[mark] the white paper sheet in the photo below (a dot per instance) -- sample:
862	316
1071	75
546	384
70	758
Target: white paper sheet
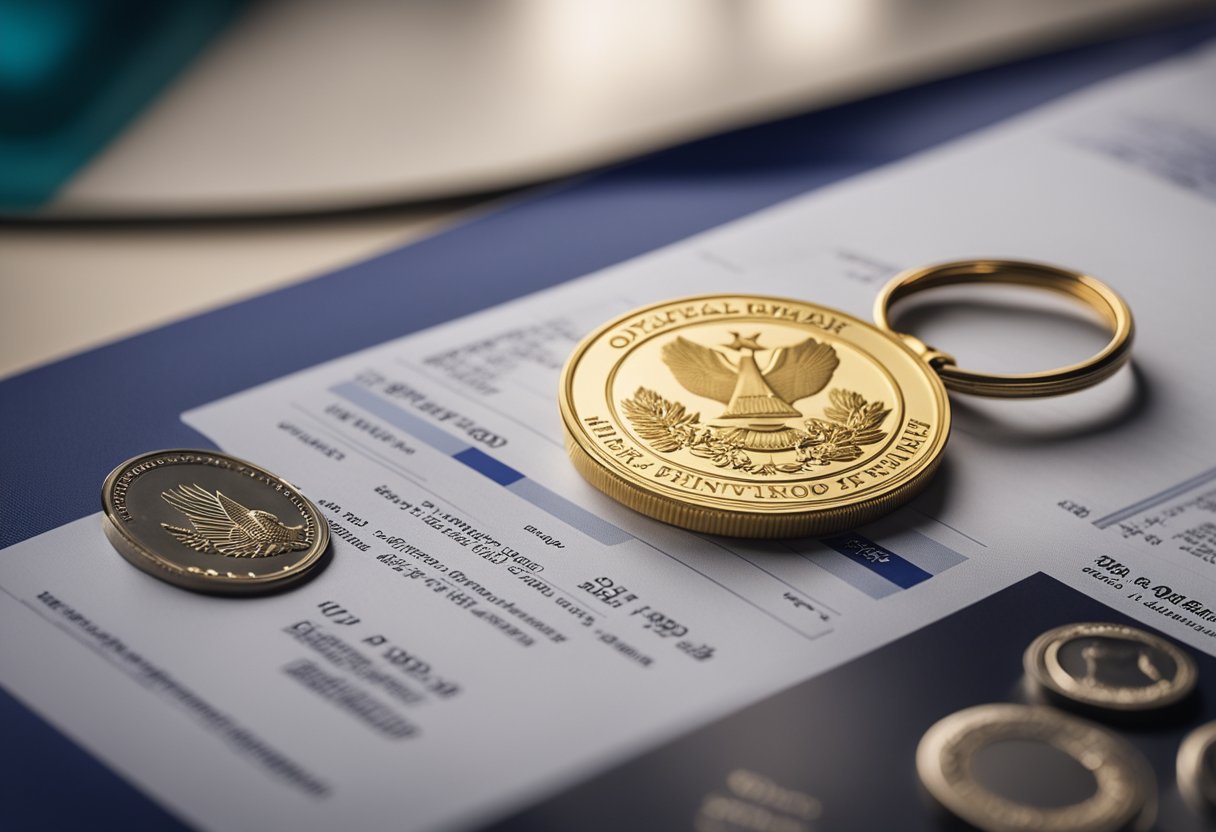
491	628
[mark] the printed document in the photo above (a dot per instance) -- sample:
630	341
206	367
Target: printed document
491	629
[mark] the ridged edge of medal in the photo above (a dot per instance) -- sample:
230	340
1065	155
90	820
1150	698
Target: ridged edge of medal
735	522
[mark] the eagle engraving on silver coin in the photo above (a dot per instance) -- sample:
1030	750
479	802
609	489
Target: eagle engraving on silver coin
222	526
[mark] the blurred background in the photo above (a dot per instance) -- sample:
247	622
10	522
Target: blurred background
160	158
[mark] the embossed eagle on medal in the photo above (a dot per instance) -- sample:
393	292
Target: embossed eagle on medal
222	526
758	402
761	432
751	416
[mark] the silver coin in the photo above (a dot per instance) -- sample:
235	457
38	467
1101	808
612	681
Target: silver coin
1012	768
1196	768
210	522
1110	666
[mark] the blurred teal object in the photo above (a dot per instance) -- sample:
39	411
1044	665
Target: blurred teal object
73	73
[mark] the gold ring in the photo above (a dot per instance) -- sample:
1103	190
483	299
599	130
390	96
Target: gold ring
1089	290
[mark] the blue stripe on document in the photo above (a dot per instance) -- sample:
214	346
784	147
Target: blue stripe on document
857	576
595	527
867	553
514	481
925	552
419	428
904	559
487	465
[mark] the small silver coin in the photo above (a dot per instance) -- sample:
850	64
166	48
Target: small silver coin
1110	666
210	522
1196	769
1015	768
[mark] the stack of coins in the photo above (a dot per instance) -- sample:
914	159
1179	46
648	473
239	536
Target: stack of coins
1006	767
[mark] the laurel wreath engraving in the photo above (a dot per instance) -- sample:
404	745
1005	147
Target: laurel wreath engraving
849	423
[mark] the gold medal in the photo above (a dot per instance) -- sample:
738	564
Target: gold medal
756	416
210	522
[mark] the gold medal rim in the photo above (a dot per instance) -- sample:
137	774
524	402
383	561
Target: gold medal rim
158	566
1041	663
784	521
1122	798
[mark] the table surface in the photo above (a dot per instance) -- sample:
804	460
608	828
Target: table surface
305	106
70	287
64	289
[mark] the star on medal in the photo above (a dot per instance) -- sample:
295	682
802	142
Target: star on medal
752	417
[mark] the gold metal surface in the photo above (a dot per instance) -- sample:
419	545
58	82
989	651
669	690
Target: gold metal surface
752	416
757	416
1110	666
1089	290
1124	794
210	522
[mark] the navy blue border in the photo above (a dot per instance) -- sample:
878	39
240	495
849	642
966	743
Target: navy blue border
64	426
